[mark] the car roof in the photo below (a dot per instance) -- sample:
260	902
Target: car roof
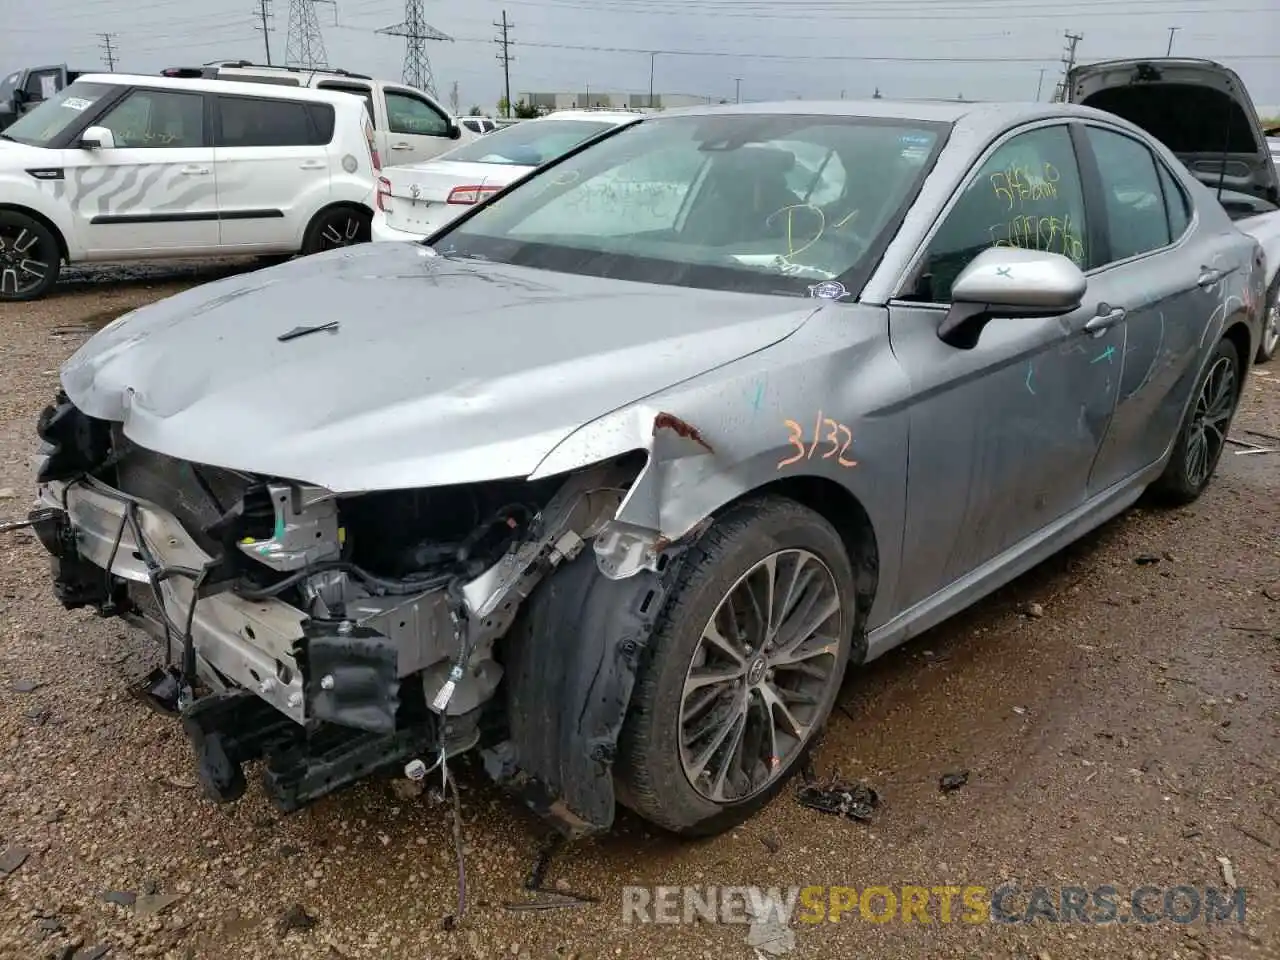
259	90
979	116
606	116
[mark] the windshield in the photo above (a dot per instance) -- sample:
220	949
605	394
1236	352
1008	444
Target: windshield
46	122
530	144
764	203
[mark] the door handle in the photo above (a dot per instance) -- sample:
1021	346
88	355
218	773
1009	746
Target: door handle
312	165
1208	277
1105	321
194	171
401	146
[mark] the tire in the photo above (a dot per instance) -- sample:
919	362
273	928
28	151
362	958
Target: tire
30	258
1216	396
656	776
1270	324
336	227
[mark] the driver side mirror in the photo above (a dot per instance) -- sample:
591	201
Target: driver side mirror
97	138
455	131
1010	282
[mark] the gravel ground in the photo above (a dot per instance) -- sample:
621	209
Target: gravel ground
1118	722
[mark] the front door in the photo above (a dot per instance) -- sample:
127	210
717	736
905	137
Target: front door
1170	297
153	191
1003	435
416	129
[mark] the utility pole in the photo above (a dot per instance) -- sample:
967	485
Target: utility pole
737	94
652	58
505	58
108	51
455	101
1040	84
264	13
304	45
416	31
1068	63
1172	31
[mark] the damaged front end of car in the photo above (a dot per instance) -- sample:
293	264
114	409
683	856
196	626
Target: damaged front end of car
328	636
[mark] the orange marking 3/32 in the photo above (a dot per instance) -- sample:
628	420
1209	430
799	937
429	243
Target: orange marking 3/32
838	437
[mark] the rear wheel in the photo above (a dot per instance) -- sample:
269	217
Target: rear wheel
1270	324
742	671
336	227
1204	432
30	258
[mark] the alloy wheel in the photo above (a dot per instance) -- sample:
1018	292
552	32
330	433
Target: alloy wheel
23	264
1213	411
1271	330
340	231
760	674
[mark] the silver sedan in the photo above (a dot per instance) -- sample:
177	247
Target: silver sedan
615	477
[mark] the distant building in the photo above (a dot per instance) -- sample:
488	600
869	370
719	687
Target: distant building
605	100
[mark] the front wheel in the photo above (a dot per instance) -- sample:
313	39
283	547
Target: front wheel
30	258
1204	431
1270	324
336	227
742	670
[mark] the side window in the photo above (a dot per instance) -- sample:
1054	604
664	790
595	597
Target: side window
157	118
408	115
1136	218
359	90
1028	194
249	122
1176	204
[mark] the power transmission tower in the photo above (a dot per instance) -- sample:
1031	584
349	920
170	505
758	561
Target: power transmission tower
264	13
416	31
505	58
305	44
1068	62
108	51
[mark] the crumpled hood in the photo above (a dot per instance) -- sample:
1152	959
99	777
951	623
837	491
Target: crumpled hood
441	371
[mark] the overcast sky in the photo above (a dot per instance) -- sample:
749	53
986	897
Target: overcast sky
779	49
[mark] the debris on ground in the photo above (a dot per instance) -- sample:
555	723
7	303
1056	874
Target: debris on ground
853	800
771	935
1146	559
150	905
1228	872
949	782
295	918
26	686
1032	611
12	859
121	898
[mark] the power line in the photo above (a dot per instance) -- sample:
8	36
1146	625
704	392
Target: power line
108	51
416	31
504	56
304	46
264	11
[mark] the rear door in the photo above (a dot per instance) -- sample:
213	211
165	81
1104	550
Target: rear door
417	129
1164	277
154	191
272	162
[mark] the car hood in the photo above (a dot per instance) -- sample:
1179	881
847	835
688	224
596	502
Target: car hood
1200	109
437	371
14	154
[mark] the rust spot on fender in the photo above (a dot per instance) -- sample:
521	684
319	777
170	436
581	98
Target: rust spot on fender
682	428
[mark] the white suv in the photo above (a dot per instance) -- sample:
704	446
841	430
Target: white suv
118	167
408	125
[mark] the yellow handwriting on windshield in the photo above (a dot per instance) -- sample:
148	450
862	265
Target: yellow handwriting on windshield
792	249
1052	234
1018	184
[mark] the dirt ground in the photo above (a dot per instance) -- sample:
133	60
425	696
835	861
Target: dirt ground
1117	712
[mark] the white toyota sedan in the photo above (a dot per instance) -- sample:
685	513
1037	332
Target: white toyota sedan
417	199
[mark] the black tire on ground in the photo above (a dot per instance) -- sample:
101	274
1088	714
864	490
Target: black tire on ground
30	258
651	775
336	227
1270	324
1204	430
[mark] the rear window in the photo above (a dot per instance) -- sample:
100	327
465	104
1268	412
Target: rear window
254	122
530	144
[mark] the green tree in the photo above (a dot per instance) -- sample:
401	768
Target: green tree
476	112
524	111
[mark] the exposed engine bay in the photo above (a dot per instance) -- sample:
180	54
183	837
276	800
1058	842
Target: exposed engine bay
331	636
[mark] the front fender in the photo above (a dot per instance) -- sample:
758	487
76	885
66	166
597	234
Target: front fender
20	190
